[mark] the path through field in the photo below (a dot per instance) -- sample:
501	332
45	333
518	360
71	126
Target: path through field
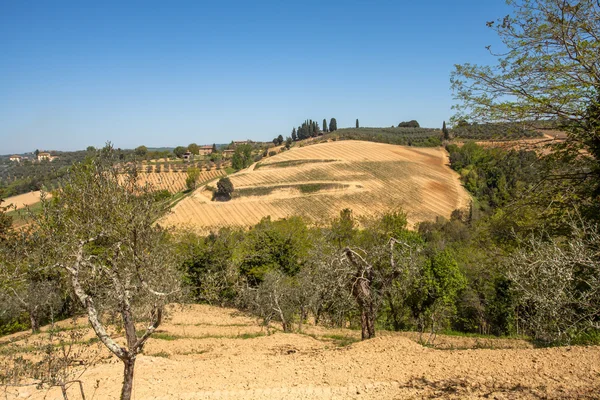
366	177
206	352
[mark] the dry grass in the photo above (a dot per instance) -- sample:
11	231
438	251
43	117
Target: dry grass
367	177
24	200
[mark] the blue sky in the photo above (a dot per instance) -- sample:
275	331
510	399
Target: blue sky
78	73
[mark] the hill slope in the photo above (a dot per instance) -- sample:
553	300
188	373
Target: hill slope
320	180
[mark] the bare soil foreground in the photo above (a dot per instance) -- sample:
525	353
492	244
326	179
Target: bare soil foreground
318	181
205	352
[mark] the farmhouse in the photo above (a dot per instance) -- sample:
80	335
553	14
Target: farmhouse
205	150
44	156
16	158
228	153
187	156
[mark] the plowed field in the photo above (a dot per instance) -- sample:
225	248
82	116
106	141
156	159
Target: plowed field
205	352
320	180
175	181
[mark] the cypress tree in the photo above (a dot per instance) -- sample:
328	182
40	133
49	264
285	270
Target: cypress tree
324	125
332	125
357	122
294	137
445	131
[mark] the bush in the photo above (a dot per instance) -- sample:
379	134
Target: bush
224	190
409	124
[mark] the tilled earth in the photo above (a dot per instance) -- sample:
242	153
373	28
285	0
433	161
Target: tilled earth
206	352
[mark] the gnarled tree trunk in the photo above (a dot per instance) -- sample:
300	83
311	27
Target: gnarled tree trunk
129	364
361	290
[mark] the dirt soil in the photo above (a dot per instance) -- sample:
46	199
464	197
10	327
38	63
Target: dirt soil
373	178
205	352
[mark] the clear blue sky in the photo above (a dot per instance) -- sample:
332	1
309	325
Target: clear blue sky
77	73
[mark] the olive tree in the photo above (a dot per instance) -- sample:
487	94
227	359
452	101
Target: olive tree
557	283
100	230
191	181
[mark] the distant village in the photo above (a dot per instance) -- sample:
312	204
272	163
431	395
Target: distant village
39	157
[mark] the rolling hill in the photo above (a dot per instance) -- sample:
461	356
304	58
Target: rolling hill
320	180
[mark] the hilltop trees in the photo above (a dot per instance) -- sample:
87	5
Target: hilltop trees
141	151
278	141
332	125
294	137
309	128
325	125
194	148
242	156
100	232
445	131
409	124
179	151
191	181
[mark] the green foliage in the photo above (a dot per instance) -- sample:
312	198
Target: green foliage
274	246
242	157
445	131
141	151
191	181
14	325
408	124
179	151
193	148
224	189
343	228
5	220
423	137
305	188
505	131
435	291
333	125
543	74
208	264
495	176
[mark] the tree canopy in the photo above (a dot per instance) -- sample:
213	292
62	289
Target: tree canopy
547	70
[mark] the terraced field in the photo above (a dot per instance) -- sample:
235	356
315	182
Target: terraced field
364	176
175	181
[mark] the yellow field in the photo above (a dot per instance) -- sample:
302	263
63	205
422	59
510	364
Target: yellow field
370	178
175	181
23	200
